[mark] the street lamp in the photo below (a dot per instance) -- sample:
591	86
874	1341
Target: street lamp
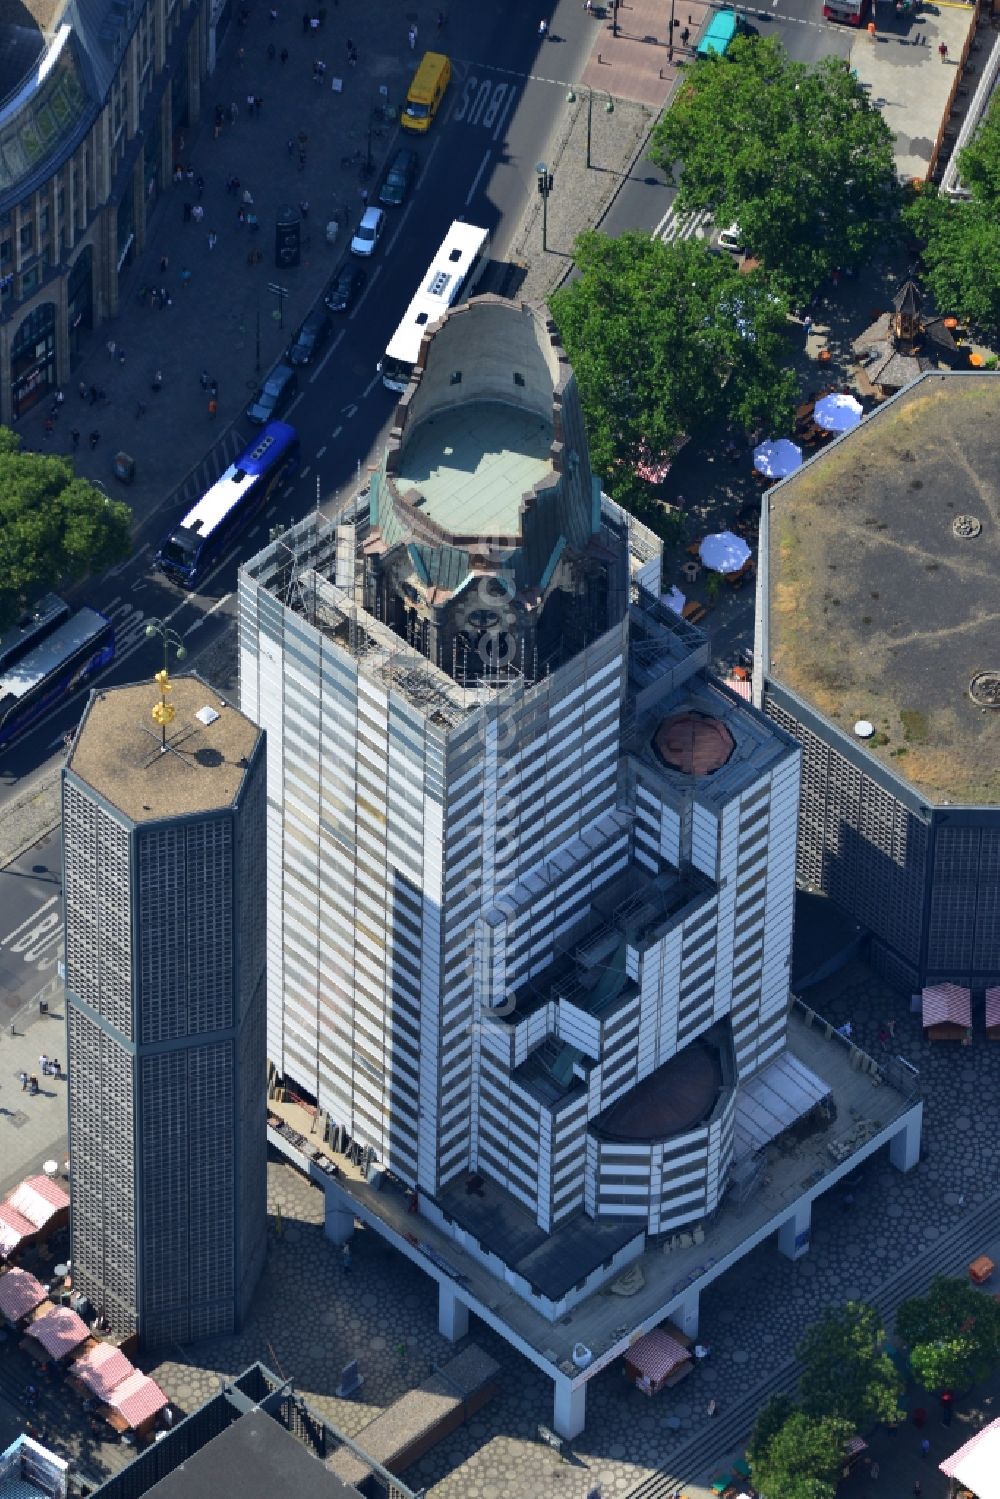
163	713
609	109
545	180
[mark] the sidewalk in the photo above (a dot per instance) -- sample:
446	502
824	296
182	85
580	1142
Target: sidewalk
212	321
32	1129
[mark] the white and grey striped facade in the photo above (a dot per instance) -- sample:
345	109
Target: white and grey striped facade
494	912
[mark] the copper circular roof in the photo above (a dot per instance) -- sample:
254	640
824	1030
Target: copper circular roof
693	743
677	1096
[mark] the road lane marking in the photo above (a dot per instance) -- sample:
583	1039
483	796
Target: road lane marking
292	407
320	367
399	228
360	302
208	614
320	451
475	181
375	379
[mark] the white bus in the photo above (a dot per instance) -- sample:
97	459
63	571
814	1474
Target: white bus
452	271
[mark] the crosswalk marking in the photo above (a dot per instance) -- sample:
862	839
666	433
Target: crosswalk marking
674	226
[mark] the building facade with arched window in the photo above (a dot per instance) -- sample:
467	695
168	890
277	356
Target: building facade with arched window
92	96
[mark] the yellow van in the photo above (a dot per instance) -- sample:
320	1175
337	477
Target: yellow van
426	91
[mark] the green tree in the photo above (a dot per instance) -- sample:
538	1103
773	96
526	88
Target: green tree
54	527
664	340
770	1419
804	1458
797	155
953	1334
961	254
847	1372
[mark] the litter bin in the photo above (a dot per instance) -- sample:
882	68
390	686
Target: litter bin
124	467
288	237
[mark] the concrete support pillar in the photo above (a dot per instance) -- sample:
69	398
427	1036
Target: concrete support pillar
339	1220
569	1412
686	1315
453	1315
793	1235
904	1147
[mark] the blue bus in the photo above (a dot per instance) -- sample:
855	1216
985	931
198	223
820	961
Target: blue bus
721	30
83	644
221	514
31	629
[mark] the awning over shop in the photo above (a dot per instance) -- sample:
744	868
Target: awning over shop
20	1293
656	1356
59	1331
102	1369
39	1200
780	1093
976	1466
946	1004
138	1399
15	1229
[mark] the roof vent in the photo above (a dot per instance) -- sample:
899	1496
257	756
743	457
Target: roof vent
206	715
864	729
966	527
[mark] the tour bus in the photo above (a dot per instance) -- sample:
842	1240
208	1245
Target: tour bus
32	628
191	548
722	28
78	646
426	92
454	268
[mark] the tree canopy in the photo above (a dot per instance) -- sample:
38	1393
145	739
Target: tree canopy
54	526
664	340
847	1372
961	253
802	1459
953	1334
797	155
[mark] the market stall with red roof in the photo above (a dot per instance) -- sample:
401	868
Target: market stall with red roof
20	1294
993	1014
657	1361
100	1370
947	1012
135	1404
58	1332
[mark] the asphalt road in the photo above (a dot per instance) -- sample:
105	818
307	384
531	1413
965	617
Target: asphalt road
478	162
30	925
645	200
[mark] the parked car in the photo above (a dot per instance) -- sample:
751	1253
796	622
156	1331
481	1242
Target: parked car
274	395
398	178
310	338
730	239
368	232
345	288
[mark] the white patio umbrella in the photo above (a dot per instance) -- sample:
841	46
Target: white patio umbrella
837	413
724	552
775	460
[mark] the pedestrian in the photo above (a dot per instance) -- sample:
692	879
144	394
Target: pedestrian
203	379
943	51
23	1077
543	27
272	15
185	278
946	1407
187	213
140	409
305	20
411	37
304	207
82	388
807	323
201	187
925	1447
213	240
121	356
917	1488
890	1026
874	1470
260	103
247	197
252	223
92	397
164	262
95	438
74	433
43	1063
241	53
363	191
345	1256
302	161
157	382
685	36
213	388
213	409
32	1090
283	54
111	348
303	140
871	31
442	19
713	1408
234	112
291	146
250	104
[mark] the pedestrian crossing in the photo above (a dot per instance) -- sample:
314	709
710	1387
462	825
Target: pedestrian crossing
214	463
676	226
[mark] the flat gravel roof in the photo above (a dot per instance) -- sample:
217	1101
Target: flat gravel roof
876	607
